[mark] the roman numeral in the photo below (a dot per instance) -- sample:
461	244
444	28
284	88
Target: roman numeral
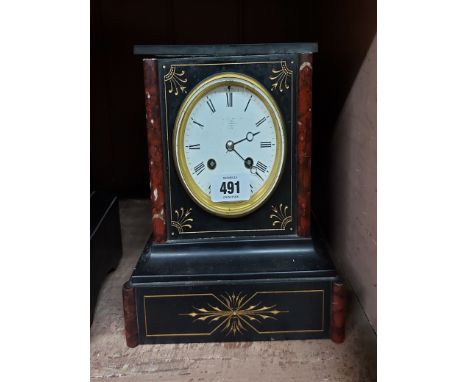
248	104
261	166
229	97
198	169
210	105
264	145
194	147
260	122
197	123
251	189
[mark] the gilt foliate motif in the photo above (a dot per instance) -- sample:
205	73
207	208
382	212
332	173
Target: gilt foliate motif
235	313
280	216
280	77
183	220
176	80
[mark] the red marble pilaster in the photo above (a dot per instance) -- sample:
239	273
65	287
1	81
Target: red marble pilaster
130	317
155	149
337	325
304	144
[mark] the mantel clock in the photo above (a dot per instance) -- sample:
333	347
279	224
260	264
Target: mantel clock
233	255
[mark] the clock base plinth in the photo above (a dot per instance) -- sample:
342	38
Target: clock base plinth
248	290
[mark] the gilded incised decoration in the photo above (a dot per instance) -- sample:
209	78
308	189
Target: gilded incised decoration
234	315
182	220
281	77
280	216
176	81
182	69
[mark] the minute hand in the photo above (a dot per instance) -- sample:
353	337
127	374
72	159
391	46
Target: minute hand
249	136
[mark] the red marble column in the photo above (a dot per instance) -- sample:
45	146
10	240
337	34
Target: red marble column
337	326
155	148
130	317
304	143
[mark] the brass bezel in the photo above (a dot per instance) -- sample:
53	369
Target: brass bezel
228	209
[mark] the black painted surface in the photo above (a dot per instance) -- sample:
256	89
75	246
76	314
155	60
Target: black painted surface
258	222
227	259
243	310
224	49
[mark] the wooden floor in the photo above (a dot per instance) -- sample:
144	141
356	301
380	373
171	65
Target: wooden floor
312	360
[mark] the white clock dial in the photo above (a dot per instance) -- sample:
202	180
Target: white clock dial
228	126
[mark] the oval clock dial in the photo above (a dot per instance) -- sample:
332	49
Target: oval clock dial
229	125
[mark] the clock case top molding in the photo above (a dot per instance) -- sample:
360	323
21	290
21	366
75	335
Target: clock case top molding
225	256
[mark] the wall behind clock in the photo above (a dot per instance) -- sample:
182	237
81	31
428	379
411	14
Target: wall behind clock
353	232
343	29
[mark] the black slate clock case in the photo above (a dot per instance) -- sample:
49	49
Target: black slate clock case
224	285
